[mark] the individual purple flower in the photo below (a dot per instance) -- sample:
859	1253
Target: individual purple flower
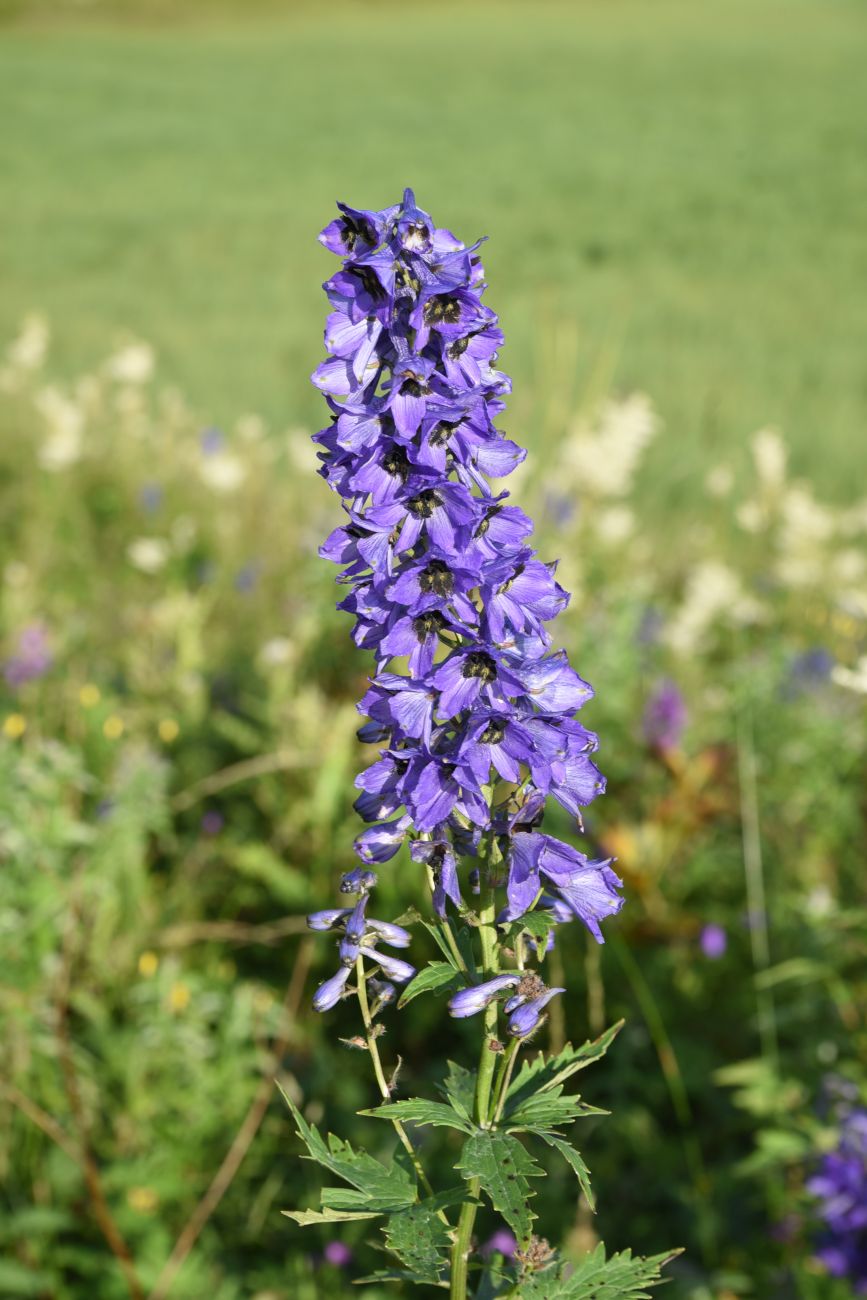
713	941
331	991
472	1000
32	657
840	1188
665	717
472	705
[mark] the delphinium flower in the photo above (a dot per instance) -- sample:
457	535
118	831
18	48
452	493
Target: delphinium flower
472	707
840	1186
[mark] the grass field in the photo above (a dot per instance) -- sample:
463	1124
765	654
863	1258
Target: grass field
674	193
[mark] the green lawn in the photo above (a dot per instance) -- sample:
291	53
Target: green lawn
675	193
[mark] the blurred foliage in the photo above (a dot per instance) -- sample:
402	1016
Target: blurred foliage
176	769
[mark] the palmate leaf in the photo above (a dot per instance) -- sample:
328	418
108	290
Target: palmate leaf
433	978
502	1166
547	1110
622	1277
417	1110
381	1187
541	1075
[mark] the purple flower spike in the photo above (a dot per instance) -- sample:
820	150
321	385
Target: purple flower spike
473	706
468	1002
330	993
665	717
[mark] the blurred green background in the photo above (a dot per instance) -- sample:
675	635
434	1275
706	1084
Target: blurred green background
674	194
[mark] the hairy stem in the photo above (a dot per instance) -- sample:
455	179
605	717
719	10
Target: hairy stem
381	1080
487	1062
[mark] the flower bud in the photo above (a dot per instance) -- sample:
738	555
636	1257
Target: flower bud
527	1017
330	993
357	881
469	1001
399	971
328	919
387	932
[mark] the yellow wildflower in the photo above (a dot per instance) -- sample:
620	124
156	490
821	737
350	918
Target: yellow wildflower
112	728
14	726
147	964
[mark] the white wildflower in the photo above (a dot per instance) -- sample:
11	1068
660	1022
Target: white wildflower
853	679
65	421
277	652
770	456
148	554
713	593
27	352
602	459
133	364
614	525
719	481
222	472
751	517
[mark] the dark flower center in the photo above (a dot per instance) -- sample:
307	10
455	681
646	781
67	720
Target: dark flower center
438	578
486	522
404	280
395	462
354	230
369	279
442	308
423	505
440	433
416	235
507	584
428	624
458	348
493	732
479	664
413	385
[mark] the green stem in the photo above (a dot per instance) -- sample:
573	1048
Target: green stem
511	1058
381	1081
487	1062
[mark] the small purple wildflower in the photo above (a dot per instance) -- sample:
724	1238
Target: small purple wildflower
503	1242
212	441
713	941
665	717
470	1001
247	577
32	658
337	1254
150	497
840	1186
212	822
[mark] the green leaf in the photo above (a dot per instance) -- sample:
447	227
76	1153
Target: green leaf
573	1158
622	1277
417	1110
460	1088
502	1166
547	1111
432	978
536	926
463	939
384	1187
419	1239
398	1275
307	1218
541	1075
